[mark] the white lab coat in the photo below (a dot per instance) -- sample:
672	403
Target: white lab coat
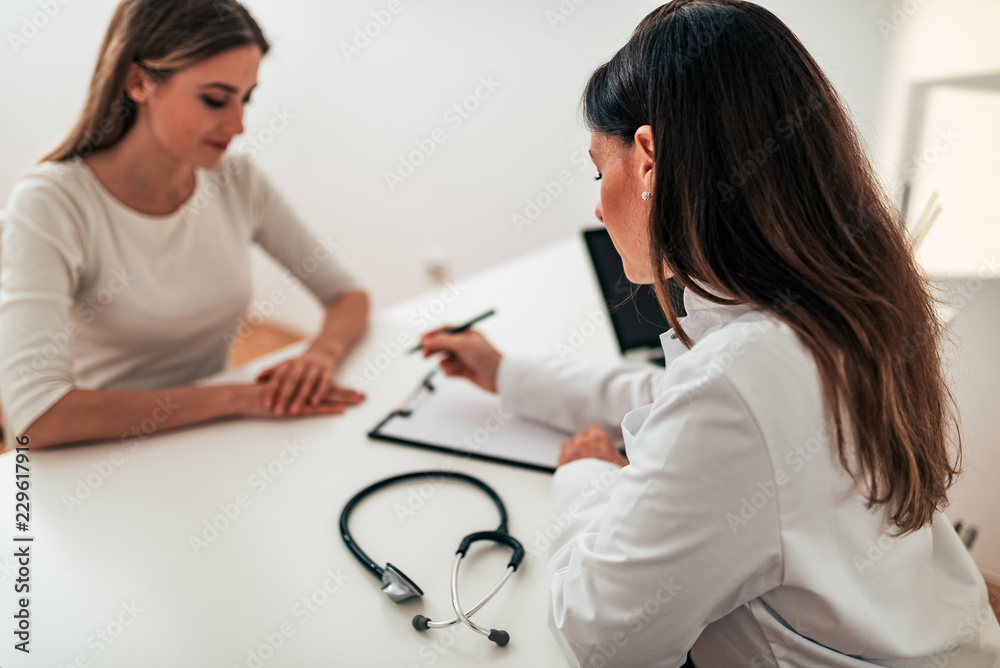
734	531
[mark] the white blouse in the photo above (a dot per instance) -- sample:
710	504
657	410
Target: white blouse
94	294
735	531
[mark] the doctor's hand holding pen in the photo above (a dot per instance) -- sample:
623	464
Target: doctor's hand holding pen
468	354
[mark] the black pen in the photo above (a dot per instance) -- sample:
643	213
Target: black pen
461	328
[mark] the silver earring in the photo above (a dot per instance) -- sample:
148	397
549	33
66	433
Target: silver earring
646	195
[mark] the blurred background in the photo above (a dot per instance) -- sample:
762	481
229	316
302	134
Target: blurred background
429	139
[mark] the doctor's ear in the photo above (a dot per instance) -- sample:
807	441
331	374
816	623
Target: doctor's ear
642	148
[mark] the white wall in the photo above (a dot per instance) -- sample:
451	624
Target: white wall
939	39
972	361
352	120
929	40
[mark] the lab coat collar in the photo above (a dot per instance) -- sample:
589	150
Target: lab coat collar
704	316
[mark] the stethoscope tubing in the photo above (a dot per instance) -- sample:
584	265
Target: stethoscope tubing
345	514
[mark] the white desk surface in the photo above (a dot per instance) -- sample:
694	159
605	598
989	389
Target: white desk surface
115	581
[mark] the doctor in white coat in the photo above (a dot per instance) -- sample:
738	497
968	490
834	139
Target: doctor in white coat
780	504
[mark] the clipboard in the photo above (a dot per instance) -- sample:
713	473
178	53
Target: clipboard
455	416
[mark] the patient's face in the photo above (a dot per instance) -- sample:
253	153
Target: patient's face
194	114
621	207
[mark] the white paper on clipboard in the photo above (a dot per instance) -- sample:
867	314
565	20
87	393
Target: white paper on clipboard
458	416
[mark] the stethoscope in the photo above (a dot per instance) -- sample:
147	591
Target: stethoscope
399	587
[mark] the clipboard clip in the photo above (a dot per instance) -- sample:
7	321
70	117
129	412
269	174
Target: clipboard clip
411	401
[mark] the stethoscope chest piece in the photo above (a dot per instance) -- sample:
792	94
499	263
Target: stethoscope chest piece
399	587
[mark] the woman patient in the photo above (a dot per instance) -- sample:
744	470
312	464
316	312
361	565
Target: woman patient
126	263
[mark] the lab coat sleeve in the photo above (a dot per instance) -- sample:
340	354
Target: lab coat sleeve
676	546
573	394
581	490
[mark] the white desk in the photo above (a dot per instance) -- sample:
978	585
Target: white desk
121	564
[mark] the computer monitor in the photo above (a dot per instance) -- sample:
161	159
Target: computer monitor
635	314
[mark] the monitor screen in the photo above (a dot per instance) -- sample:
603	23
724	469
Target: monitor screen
635	314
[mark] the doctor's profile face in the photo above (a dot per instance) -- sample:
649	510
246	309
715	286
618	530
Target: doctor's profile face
196	112
621	207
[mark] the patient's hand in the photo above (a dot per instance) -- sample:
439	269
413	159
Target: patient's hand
303	383
334	401
592	443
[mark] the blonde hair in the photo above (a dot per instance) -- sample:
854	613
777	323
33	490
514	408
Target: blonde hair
162	36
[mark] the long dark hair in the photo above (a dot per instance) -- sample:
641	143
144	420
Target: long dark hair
762	189
162	36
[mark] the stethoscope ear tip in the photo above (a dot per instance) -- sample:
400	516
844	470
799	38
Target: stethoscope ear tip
421	623
501	638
